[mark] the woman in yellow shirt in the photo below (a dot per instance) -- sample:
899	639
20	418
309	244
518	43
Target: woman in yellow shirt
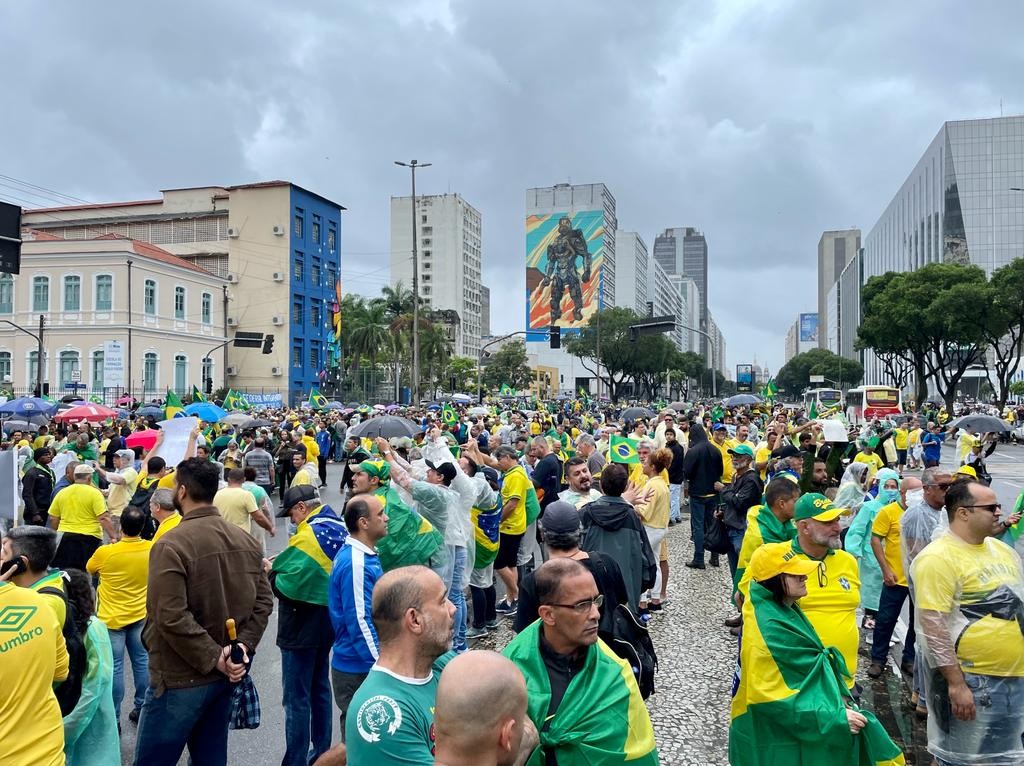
654	513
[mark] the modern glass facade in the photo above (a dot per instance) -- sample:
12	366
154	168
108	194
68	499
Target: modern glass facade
957	205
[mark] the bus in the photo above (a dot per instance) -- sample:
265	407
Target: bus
865	403
822	399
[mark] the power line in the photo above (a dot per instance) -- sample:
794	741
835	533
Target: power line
53	194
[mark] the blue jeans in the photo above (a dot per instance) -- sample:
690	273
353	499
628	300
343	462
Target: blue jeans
195	717
675	492
129	637
306	687
736	538
454	569
701	509
889	605
997	728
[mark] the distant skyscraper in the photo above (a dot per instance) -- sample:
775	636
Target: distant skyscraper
684	251
631	267
835	250
485	311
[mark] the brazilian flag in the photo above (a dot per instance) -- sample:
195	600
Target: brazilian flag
623	450
96	399
411	539
602	718
235	401
172	405
485	526
317	401
812	413
448	415
197	395
303	569
717	414
789	705
506	390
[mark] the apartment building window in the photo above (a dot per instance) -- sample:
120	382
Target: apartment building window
5	365
149	362
314	356
297	353
298	268
332	239
72	293
297	312
316	230
207	308
179	302
331	275
314	271
104	292
40	294
207	369
314	315
299	221
423	219
426	267
97	371
149	297
33	367
6	295
427	242
427	231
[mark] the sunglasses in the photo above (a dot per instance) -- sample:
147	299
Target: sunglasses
943	486
992	508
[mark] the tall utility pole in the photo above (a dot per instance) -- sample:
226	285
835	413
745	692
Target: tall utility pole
412	165
40	366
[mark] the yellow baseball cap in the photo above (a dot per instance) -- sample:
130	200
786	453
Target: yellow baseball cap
816	506
968	470
779	558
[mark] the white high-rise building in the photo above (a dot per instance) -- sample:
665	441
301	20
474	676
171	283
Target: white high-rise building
450	259
690	317
632	288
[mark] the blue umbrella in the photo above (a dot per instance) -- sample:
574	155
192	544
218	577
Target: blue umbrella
150	411
28	405
207	411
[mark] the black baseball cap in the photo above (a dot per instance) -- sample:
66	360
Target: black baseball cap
303	493
447	471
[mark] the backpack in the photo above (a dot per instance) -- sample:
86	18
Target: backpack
631	641
140	499
70	690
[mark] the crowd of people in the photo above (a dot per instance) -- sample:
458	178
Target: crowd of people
554	522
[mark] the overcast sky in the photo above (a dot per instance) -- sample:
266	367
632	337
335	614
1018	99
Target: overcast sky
762	124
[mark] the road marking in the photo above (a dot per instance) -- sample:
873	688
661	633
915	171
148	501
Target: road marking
1011	483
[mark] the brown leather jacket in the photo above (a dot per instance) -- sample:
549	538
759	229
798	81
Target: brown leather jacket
200	574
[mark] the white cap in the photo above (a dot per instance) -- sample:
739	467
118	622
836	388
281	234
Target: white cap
83	470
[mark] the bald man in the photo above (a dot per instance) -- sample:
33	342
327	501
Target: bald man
480	718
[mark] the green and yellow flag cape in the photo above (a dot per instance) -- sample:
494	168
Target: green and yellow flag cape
602	718
623	449
411	539
303	569
790	700
172	405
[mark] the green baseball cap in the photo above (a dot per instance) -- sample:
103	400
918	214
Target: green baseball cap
816	506
377	468
742	449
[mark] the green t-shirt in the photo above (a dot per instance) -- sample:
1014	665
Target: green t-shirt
391	718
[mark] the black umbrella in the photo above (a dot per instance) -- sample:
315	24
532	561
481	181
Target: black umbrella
25	424
255	423
741	399
388	426
635	413
979	423
679	406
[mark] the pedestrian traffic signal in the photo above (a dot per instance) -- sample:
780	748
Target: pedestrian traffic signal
268	344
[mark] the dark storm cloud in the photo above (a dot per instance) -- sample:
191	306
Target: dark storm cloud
761	124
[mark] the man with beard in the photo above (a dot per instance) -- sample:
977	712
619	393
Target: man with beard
581	486
391	716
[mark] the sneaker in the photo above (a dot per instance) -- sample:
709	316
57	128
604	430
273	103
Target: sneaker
507	609
474	633
734	622
134	715
695	564
713	561
493	624
875	671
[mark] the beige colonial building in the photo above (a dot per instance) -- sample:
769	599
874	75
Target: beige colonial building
161	316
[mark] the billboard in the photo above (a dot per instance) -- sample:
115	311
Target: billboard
564	255
744	378
809	328
113	364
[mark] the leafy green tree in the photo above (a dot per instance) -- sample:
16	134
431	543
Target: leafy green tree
795	375
605	349
463	370
508	365
1017	388
653	357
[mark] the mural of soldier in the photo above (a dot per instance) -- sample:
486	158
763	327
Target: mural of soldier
562	274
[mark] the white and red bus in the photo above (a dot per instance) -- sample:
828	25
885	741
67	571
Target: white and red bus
865	403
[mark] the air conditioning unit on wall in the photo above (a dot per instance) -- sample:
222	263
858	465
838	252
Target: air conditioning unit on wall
232	322
278	320
279	231
233	278
279	276
234	232
276	371
232	371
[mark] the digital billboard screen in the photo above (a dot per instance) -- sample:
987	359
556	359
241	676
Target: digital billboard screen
809	328
744	378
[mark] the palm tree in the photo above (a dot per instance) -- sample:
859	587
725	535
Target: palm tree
435	350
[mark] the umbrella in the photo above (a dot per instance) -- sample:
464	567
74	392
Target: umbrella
28	405
31	423
150	411
978	423
479	411
71	398
126	401
434	406
462	398
94	413
379	407
237	418
68	405
335	406
740	399
393	407
347	411
679	406
353	405
145	439
388	426
254	423
211	413
635	413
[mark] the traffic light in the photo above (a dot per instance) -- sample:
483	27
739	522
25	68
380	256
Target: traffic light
555	336
268	344
208	385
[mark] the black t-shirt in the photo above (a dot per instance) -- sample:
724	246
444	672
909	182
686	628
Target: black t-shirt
547	475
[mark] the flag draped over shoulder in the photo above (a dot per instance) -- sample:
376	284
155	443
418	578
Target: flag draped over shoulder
197	395
317	401
789	705
172	405
302	570
602	718
235	401
623	450
411	539
485	527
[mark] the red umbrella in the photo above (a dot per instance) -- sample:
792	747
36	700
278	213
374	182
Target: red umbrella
145	439
91	412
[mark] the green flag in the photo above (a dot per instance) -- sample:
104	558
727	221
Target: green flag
172	405
623	450
448	415
317	401
601	719
506	390
812	413
96	399
411	539
197	395
235	401
717	414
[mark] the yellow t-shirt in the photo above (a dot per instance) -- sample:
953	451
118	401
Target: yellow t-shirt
887	527
31	729
120	494
763	455
727	470
914	437
950	574
53	579
655	512
901	438
123	568
831	605
873	462
236	505
515	483
78	506
166	526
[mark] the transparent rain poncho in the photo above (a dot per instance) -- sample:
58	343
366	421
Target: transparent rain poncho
969	613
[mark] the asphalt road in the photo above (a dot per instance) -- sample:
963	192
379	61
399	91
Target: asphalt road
691	707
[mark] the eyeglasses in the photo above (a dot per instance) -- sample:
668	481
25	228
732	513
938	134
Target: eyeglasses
943	486
822	576
582	607
992	508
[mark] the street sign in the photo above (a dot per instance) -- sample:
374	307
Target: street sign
74	387
76	376
817	378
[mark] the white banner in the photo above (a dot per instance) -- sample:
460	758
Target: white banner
113	364
176	432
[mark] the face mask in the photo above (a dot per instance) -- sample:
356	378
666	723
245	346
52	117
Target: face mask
914	497
889	495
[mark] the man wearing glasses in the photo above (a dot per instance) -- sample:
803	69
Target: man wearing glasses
582	698
969	591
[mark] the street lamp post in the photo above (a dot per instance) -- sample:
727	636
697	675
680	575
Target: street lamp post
39	349
412	165
480	359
